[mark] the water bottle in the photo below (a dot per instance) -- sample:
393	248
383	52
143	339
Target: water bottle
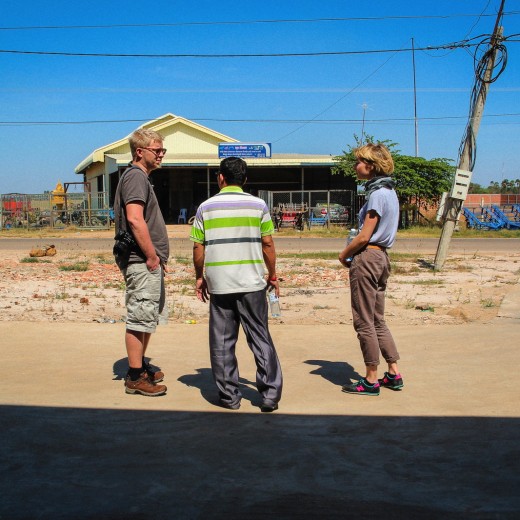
353	233
274	304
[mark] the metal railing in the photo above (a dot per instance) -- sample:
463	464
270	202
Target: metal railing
318	207
19	210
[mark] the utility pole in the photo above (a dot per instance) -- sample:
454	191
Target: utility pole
455	199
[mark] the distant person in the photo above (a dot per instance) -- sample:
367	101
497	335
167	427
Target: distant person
232	239
370	269
136	210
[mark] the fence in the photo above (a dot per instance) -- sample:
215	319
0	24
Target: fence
474	200
312	207
48	209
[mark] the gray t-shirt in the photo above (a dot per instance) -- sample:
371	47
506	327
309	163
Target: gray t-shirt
135	186
386	204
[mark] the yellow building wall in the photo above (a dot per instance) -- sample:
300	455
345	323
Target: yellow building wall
182	139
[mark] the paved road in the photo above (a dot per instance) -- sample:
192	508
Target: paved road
293	244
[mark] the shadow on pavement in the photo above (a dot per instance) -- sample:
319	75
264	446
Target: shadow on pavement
337	372
203	380
72	463
120	368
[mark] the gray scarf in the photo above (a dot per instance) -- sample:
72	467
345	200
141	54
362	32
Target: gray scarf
377	183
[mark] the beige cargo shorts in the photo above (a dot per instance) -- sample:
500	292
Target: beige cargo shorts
145	298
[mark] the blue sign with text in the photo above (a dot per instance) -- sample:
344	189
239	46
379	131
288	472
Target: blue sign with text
244	150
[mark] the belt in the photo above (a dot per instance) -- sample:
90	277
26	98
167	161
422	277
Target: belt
376	246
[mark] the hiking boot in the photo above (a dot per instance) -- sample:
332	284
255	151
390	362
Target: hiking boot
394	382
362	387
155	377
144	386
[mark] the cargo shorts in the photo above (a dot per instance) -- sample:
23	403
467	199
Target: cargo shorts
145	298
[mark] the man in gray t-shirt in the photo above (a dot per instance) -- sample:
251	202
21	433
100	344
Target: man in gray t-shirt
137	211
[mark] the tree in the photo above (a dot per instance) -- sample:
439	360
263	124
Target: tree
476	188
419	182
494	187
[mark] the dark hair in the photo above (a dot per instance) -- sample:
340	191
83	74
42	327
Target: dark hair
234	170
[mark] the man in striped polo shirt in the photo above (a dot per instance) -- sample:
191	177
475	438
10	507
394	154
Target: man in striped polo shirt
232	240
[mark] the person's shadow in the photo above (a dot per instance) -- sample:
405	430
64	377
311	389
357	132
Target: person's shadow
337	372
203	380
120	368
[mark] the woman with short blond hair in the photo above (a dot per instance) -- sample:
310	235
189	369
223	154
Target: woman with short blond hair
366	256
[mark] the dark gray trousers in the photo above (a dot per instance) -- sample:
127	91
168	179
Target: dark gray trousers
226	313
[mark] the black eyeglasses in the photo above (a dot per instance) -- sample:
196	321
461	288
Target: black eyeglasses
156	151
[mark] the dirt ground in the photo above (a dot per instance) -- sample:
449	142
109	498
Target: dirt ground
86	287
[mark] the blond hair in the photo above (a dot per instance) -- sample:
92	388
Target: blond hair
142	138
378	155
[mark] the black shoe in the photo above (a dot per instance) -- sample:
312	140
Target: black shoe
394	382
362	387
268	407
230	405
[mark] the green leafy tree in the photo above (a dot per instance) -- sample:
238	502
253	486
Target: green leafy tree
494	187
508	186
476	188
419	182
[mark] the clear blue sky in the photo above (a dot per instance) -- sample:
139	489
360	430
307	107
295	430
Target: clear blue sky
46	88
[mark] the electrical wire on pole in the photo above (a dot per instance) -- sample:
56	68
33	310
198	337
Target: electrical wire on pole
495	54
415	102
364	106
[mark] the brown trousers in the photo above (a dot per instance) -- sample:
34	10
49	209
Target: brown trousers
369	273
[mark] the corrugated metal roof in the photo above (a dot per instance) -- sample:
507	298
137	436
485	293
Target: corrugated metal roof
213	161
120	150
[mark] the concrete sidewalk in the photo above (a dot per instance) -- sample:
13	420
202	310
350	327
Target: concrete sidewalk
75	446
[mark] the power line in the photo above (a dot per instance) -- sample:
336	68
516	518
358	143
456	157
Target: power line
453	45
463	44
250	22
230	120
337	101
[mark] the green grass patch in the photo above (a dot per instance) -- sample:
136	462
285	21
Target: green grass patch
29	260
424	282
76	266
314	255
404	257
105	258
183	260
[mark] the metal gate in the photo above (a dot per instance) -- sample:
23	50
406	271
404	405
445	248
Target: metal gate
39	210
318	207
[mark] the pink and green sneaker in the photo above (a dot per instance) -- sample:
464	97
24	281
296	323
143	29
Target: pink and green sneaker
362	387
394	382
